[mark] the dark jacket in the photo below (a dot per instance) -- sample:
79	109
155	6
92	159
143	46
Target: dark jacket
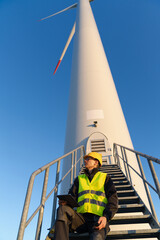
110	191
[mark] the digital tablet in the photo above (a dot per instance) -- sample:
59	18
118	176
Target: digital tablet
69	199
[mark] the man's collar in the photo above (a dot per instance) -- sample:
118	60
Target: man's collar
90	172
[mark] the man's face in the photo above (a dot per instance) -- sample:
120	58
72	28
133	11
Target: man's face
90	163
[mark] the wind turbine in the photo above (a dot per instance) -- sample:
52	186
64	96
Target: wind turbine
71	34
94	111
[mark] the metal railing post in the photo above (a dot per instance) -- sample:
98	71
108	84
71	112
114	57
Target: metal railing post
154	175
116	157
124	161
41	211
55	193
82	152
25	209
114	153
72	168
125	154
75	162
146	188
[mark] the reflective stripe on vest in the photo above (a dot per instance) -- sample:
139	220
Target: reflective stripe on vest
91	195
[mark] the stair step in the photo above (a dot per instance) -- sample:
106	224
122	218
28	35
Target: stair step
125	234
118	178
112	170
131	219
120	182
133	234
117	175
126	193
132	199
112	173
123	187
111	166
126	208
107	167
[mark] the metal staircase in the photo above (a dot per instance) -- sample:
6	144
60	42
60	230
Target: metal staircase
132	213
132	221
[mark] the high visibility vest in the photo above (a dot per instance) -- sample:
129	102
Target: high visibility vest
91	195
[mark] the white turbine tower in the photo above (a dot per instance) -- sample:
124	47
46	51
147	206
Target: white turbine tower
94	111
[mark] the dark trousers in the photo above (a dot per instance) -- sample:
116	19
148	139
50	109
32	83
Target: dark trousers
69	220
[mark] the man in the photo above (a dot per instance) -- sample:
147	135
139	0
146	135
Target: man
97	198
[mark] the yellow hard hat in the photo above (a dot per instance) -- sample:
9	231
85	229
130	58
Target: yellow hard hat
96	156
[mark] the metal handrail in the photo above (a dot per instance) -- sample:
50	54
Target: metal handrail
157	160
24	222
127	168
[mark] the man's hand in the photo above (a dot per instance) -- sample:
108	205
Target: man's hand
62	203
102	223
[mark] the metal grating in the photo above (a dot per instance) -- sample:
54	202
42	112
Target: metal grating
98	145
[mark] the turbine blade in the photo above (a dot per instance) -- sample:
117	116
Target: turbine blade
68	8
66	46
57	66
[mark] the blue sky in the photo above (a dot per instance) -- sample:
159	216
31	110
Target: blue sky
33	103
